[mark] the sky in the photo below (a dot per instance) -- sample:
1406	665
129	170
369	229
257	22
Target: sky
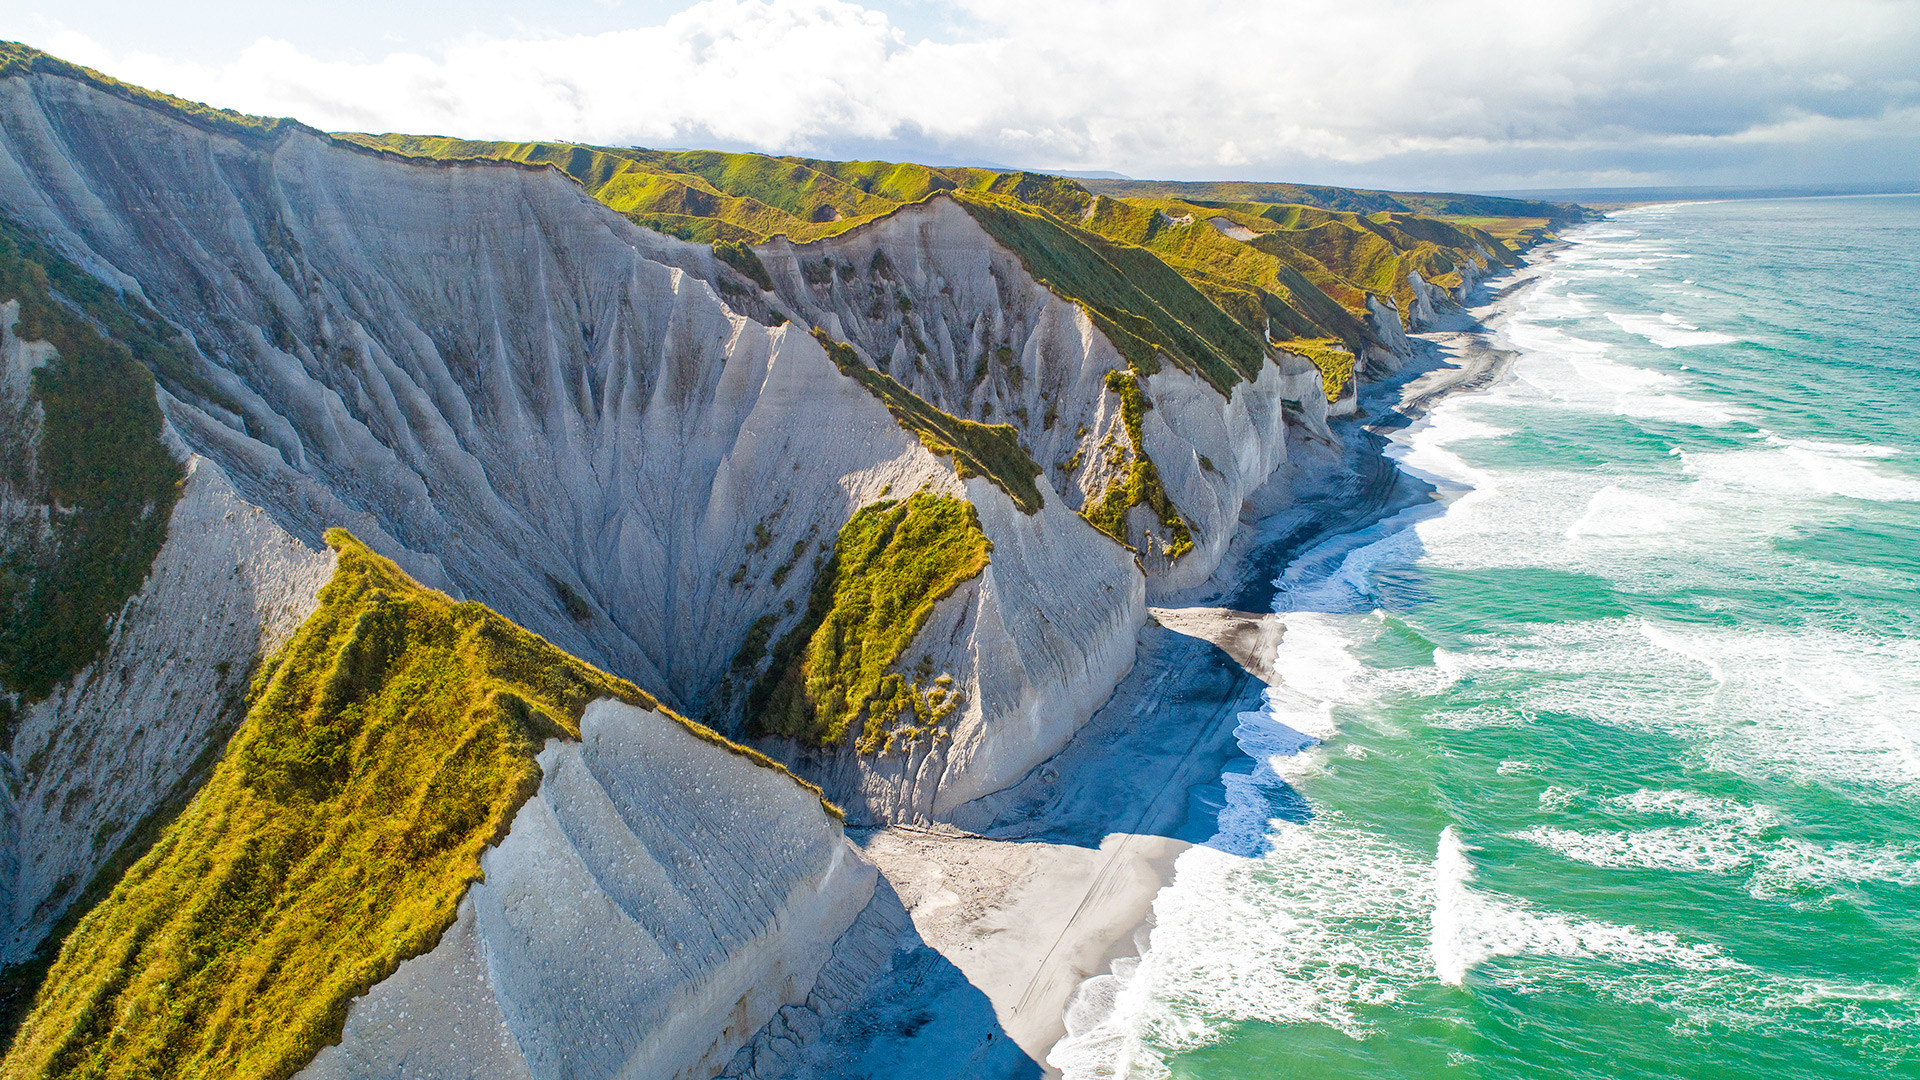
1477	95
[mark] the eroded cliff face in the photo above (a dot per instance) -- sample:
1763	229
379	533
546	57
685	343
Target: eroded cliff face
929	296
524	399
129	735
623	444
654	904
477	369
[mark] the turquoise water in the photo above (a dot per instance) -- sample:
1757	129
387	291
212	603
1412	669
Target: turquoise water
1609	763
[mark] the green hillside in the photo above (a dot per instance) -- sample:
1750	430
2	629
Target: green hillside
1319	251
1433	204
707	195
94	460
1272	250
387	745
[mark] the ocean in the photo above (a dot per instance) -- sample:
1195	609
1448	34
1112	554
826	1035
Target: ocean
1605	764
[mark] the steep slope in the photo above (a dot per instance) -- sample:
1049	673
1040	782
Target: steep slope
995	311
135	597
390	743
1311	287
470	366
886	489
708	195
524	399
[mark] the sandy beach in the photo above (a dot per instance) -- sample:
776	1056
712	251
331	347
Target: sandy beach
1040	886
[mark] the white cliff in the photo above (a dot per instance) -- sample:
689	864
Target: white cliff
130	734
978	336
654	904
527	401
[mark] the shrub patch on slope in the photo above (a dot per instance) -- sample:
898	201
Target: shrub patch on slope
388	744
98	465
1138	481
1334	361
893	561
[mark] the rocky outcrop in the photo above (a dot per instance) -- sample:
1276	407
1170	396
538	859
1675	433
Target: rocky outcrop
1383	318
653	906
1251	638
1431	301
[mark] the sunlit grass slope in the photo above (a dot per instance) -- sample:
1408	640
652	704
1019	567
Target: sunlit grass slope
388	744
1137	479
891	563
1296	264
1358	200
992	451
708	195
1266	263
1146	308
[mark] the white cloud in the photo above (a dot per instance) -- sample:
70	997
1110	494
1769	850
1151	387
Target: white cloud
1483	90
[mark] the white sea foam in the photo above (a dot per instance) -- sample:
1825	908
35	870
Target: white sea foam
1471	927
1679	646
1556	798
1578	373
1800	470
1736	694
1336	577
1833	449
1327	921
1731	838
1615	510
1328	925
1667	331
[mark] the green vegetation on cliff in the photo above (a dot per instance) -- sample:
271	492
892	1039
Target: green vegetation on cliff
1358	200
1138	480
1147	309
708	195
1334	361
1302	279
1165	271
1276	267
96	464
989	450
388	744
892	562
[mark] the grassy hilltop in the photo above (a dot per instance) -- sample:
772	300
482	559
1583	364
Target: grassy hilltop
1303	274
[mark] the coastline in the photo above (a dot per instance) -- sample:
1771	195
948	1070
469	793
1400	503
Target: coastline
1045	884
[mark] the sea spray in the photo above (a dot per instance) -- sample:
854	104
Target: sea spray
1451	873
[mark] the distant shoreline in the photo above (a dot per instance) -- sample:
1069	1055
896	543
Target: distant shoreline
1623	197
